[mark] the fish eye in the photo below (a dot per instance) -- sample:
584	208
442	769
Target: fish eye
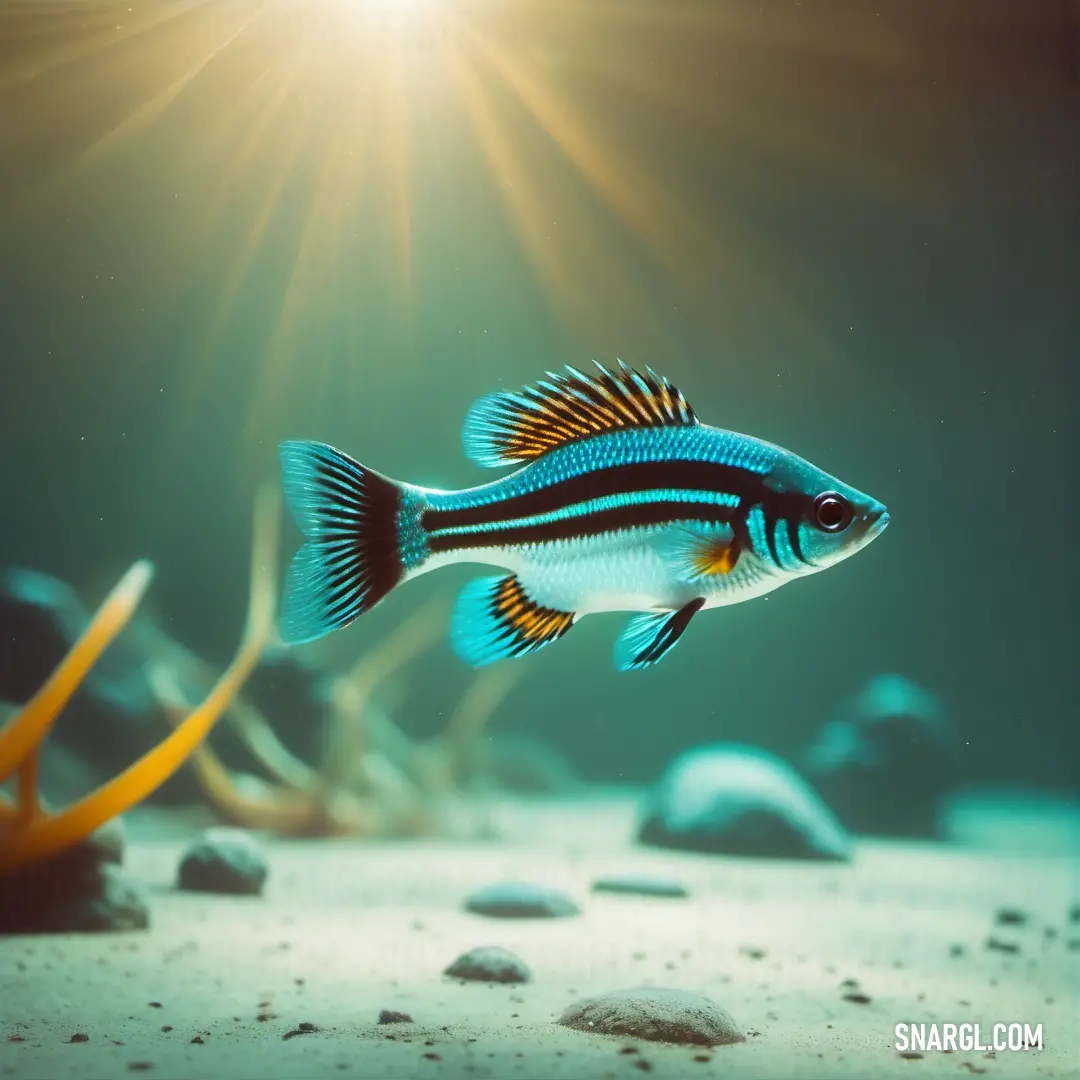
831	512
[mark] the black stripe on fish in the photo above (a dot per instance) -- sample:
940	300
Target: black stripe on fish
611	481
611	520
605	482
796	543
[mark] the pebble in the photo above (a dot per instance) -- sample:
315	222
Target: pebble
641	885
489	963
224	860
391	1016
1010	916
654	1013
521	900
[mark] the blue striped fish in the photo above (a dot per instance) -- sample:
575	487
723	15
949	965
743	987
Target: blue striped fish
624	501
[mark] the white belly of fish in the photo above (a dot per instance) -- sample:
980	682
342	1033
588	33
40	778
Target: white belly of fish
630	571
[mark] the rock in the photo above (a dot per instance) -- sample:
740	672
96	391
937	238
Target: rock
857	997
731	799
1010	916
390	1016
641	885
223	860
80	890
521	900
656	1014
489	963
887	760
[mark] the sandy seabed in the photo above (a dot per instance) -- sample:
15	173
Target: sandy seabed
346	929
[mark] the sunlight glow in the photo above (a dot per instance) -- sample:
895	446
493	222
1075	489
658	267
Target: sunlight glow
338	159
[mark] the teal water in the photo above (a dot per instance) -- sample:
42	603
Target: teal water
849	231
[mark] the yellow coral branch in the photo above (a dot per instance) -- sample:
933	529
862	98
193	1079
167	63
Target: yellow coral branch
49	834
29	726
26	799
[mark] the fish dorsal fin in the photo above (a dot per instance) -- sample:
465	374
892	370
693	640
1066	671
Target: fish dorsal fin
511	428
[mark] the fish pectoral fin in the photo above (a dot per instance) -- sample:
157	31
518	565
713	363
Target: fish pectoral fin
495	618
705	551
651	636
508	428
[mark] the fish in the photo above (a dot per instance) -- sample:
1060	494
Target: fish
622	500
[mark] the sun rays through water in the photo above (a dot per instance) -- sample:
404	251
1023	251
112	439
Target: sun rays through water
317	167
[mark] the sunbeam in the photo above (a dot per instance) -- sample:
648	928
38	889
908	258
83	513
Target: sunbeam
304	143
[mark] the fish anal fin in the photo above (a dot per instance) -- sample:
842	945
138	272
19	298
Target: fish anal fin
511	428
649	637
495	618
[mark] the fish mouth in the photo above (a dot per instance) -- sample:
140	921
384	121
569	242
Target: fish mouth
877	520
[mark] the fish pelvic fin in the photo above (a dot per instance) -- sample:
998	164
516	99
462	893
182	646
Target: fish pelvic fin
356	549
494	618
512	428
651	636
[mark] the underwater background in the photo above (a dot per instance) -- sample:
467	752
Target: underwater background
850	229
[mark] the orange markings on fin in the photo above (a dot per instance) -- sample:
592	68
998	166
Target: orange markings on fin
715	557
533	624
511	428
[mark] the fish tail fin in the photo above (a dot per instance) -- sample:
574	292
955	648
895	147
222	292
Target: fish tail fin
353	520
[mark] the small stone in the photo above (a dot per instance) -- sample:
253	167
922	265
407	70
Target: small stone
521	900
641	885
910	1055
996	944
489	963
1010	916
224	860
140	1066
857	997
79	1037
391	1016
731	799
300	1029
198	1040
656	1014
